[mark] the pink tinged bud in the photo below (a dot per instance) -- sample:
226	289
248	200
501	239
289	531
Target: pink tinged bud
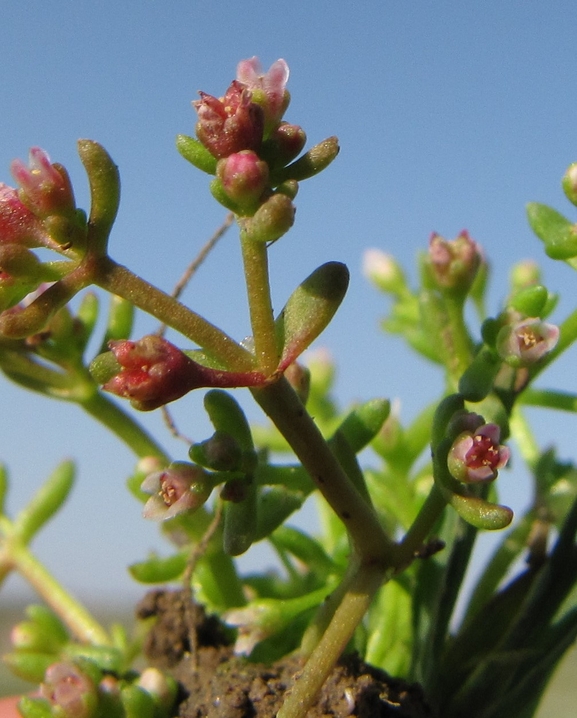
18	225
384	272
284	144
230	124
525	342
154	372
179	488
569	183
454	263
477	457
45	187
243	176
71	693
268	89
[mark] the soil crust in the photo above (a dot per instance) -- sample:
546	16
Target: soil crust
217	684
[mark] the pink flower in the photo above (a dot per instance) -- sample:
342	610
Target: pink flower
18	225
476	457
46	187
70	691
179	488
268	89
230	124
454	263
526	341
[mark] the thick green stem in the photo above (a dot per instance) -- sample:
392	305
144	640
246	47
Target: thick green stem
285	409
347	617
254	255
459	348
428	515
84	627
121	281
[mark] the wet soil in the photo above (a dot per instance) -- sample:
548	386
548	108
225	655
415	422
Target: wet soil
217	684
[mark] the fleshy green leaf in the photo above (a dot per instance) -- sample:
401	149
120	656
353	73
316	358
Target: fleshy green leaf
554	230
310	308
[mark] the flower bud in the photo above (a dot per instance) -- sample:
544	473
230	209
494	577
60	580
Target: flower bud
454	264
179	488
161	687
272	219
220	453
476	457
154	372
531	301
384	272
569	183
283	145
243	176
524	274
524	342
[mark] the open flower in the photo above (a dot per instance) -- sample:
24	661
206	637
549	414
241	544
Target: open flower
524	342
268	89
476	456
230	124
71	692
180	487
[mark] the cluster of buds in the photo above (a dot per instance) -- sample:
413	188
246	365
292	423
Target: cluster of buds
41	213
454	264
243	140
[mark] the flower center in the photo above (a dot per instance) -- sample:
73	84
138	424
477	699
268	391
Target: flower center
482	453
168	492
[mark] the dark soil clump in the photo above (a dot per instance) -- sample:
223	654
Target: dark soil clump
217	684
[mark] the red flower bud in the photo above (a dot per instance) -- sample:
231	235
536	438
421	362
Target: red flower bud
243	177
154	372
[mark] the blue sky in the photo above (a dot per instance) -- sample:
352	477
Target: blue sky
450	115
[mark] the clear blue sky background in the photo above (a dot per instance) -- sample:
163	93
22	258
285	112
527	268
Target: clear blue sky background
450	115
